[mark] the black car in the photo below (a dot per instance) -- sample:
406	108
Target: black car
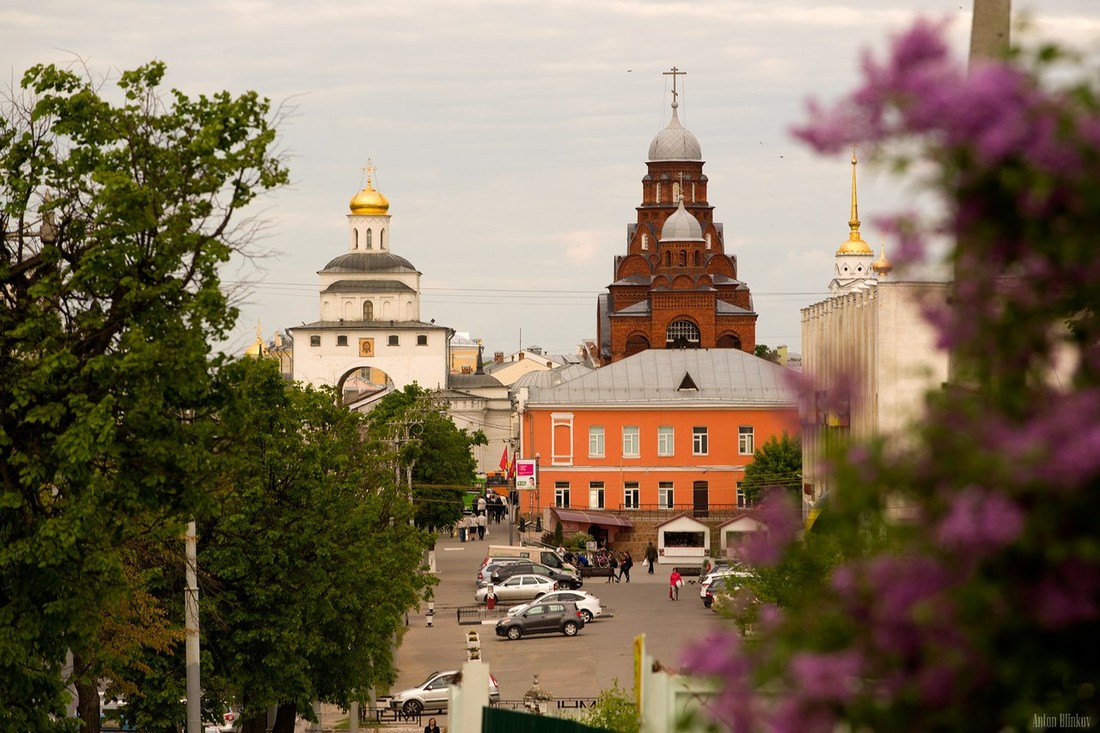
564	580
542	618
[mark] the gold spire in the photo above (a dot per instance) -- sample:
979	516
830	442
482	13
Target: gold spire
369	201
882	266
855	244
258	348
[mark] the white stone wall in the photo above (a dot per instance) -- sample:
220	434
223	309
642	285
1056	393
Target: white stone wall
405	363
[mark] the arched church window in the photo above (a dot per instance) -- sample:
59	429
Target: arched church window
658	196
355	241
683	258
368	310
698	258
382	239
708	240
675	192
682	335
369	239
645	241
668	258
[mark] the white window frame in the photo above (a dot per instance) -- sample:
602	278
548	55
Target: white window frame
596	445
746	442
699	440
666	494
666	440
596	495
631	495
632	443
561	451
561	494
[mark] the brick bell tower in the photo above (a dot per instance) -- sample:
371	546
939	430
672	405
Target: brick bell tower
675	288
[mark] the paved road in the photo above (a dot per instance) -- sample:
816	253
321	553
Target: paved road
568	667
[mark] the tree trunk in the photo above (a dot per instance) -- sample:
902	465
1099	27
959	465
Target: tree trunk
87	696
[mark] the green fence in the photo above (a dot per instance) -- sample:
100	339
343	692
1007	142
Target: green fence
498	720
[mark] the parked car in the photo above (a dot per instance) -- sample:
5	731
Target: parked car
723	573
484	575
721	591
588	604
522	587
564	580
433	693
542	618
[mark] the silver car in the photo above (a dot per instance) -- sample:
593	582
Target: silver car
523	587
433	694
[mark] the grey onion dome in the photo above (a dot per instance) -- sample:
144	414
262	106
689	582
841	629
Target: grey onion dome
681	226
369	262
675	142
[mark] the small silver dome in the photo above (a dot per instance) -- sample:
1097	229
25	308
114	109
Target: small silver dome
675	142
681	226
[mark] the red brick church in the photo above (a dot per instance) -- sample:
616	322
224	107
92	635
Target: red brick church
675	288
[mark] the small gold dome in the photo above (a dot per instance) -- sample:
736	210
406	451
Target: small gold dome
882	265
855	246
369	202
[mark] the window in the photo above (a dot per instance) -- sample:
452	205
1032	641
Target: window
742	500
645	241
341	340
314	340
665	442
708	240
368	311
745	443
394	341
595	441
630	495
665	495
595	495
681	335
368	239
630	442
561	494
421	339
699	441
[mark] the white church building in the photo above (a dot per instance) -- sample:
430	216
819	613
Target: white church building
369	337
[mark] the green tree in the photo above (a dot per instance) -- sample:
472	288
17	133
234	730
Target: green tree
309	559
429	452
615	710
777	463
764	352
114	219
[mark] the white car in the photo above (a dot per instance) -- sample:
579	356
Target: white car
521	587
724	573
434	692
588	604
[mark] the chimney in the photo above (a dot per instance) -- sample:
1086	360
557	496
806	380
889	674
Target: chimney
521	355
467	370
498	357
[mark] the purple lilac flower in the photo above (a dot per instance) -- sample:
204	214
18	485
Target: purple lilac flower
980	520
827	677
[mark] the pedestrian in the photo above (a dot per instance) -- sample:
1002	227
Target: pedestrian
481	503
675	582
431	727
651	556
613	564
481	526
625	566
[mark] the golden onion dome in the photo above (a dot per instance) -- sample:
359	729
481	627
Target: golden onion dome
369	202
882	265
855	246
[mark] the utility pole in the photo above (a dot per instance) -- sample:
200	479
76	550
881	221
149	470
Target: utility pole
191	623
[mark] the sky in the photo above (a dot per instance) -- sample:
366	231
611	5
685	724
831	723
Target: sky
510	136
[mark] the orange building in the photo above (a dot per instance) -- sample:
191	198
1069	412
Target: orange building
669	429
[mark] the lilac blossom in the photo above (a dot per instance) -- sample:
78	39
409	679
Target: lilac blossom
980	520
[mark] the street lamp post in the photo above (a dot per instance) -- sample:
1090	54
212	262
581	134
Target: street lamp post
538	499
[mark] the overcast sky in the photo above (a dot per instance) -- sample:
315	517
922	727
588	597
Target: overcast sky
510	136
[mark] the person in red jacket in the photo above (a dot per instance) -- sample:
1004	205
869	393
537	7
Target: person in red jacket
674	584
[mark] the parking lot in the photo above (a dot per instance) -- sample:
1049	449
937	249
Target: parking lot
579	666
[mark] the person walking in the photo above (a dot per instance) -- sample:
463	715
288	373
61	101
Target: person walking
650	556
674	584
613	564
431	727
481	526
625	566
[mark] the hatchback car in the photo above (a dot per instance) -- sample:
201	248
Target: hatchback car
433	694
588	604
542	618
564	580
518	588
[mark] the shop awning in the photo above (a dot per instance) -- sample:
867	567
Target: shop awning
592	517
